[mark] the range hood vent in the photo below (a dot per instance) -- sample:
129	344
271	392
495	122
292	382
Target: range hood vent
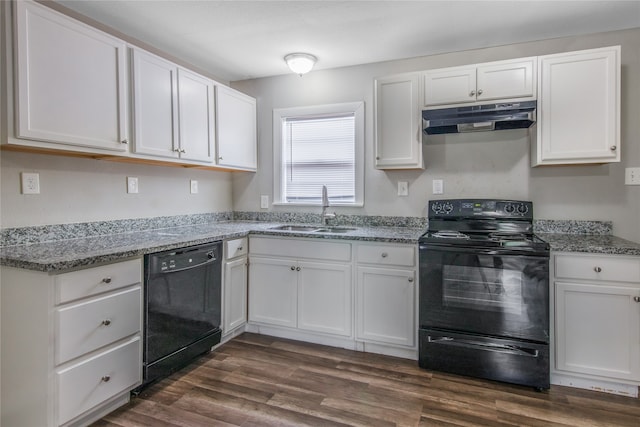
487	117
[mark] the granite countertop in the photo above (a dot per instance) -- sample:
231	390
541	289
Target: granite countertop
590	243
61	255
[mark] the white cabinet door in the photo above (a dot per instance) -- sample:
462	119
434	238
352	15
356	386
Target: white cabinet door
450	86
324	297
506	79
235	293
195	106
155	103
398	123
385	306
273	295
578	108
70	81
236	129
597	330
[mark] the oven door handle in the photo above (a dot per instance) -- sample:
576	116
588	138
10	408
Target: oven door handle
481	251
498	348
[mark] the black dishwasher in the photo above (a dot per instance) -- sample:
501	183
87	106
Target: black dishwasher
182	307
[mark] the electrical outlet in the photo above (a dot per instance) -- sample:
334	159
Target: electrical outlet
438	186
403	188
632	176
194	186
264	202
132	184
30	183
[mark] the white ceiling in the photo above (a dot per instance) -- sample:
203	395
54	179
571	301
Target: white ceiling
237	40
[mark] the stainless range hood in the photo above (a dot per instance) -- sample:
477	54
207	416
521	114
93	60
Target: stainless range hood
487	117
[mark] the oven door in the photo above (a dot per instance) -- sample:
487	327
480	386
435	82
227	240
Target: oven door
492	292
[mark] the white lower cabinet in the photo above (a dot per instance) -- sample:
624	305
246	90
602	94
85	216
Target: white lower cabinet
386	294
597	320
302	284
77	351
235	284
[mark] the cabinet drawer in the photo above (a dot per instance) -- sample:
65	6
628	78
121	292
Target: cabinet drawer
87	384
89	325
236	247
387	255
586	267
92	281
317	249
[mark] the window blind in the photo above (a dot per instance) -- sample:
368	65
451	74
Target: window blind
319	151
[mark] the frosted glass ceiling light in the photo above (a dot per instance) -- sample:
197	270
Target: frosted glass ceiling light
300	63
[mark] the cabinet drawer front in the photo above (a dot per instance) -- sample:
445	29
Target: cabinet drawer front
89	325
598	268
387	255
236	247
87	384
318	249
92	281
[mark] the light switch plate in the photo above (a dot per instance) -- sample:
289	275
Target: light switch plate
264	202
403	188
30	182
438	186
194	186
632	176
132	184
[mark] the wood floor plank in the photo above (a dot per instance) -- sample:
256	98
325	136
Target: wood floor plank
257	380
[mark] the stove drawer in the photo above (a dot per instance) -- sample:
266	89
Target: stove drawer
597	267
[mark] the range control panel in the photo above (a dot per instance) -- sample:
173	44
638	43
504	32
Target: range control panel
483	208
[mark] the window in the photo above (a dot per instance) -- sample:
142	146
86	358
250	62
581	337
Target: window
316	146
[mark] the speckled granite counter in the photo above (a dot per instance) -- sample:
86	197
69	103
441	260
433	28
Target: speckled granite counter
590	243
60	255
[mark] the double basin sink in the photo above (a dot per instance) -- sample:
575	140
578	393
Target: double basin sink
313	228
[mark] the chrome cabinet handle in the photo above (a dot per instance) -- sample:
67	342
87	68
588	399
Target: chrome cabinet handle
105	378
597	269
297	268
614	148
384	254
293	268
472	93
410	279
124	141
106	322
636	299
220	158
106	280
239	248
479	91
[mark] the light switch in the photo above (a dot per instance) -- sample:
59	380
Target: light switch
264	202
194	186
438	186
403	188
132	184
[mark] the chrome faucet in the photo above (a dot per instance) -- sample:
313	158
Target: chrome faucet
325	204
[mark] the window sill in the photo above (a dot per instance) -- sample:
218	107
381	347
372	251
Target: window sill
318	205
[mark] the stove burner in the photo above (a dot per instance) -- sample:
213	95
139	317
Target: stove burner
450	234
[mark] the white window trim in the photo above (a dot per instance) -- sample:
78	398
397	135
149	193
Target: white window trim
357	108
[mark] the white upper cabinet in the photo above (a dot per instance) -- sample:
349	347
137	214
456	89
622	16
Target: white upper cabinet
236	129
398	128
70	81
578	108
502	80
173	110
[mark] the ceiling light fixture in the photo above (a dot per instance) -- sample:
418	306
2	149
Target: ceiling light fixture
300	63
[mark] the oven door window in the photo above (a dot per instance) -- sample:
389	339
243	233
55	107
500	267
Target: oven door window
484	293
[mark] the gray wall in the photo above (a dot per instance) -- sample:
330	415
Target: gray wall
79	190
494	164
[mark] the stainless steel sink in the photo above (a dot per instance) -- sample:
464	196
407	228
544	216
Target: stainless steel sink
334	230
296	227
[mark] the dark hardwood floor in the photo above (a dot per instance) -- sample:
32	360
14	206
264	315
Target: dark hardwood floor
257	380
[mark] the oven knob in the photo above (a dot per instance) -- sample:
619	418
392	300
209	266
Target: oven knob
437	207
522	208
448	207
509	208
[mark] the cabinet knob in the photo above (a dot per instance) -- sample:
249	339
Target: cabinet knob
297	268
182	150
106	280
239	248
472	93
124	141
293	268
614	148
105	378
597	269
636	299
384	254
220	158
410	279
106	322
479	91
377	157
